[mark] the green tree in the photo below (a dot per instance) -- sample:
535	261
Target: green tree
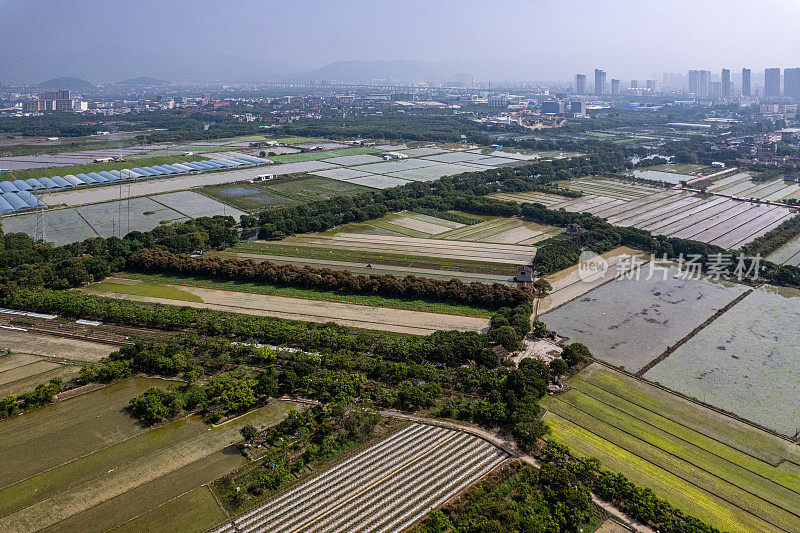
249	432
558	367
575	353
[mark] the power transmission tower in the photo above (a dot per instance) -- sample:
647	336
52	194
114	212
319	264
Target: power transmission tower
39	226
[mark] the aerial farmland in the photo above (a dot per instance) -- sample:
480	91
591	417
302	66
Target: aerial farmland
717	220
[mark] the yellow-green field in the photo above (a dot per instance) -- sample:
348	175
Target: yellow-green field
727	473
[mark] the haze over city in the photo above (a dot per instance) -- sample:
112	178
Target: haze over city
266	40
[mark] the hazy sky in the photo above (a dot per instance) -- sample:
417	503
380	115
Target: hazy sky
108	40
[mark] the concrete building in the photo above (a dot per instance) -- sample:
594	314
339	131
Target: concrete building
715	89
694	82
614	87
54	101
746	91
634	84
699	82
498	100
553	106
704	84
599	81
580	83
791	83
772	83
726	83
577	107
650	85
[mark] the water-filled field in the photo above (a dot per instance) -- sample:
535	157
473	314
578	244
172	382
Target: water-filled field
657	175
746	362
630	322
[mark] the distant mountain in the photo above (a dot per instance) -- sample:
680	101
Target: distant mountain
368	71
399	71
144	81
70	84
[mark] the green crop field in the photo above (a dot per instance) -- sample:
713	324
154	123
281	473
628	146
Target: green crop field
194	511
362	256
685	452
97	167
80	483
143	288
281	191
157	280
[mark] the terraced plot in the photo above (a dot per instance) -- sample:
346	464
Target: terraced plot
374	268
334	254
103	469
431	173
630	321
21	372
441	248
456	157
405	223
742	186
623	190
387	487
727	473
749	363
503	231
349	160
379	182
788	254
397	165
715	220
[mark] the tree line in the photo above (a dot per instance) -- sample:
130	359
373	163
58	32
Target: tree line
453	291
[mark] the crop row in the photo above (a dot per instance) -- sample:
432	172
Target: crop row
737	435
684	495
386	487
726	479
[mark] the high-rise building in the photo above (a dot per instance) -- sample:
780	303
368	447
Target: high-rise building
614	87
745	82
791	83
634	84
715	89
694	81
705	83
650	85
580	83
599	81
726	83
772	82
